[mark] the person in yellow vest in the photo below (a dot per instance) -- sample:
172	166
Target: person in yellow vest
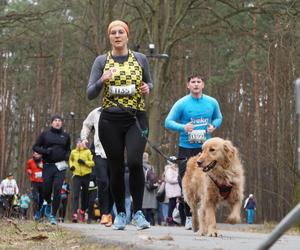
124	76
81	164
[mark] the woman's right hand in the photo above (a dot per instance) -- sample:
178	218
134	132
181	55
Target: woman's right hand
107	75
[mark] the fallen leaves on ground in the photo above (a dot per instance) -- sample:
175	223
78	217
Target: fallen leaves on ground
149	238
166	237
26	234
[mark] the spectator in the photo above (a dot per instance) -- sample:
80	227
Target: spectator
173	190
64	194
164	203
54	146
149	199
34	169
250	207
81	164
24	205
8	189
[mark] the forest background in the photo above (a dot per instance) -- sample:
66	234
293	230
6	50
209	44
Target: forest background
247	50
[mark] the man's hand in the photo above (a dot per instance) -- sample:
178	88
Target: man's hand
188	127
210	128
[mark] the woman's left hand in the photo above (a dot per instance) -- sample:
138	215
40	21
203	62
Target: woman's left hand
145	88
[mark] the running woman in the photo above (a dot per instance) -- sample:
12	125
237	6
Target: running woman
124	77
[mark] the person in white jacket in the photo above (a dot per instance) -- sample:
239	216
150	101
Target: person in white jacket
173	190
8	189
101	169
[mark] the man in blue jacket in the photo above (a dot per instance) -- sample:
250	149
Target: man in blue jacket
195	116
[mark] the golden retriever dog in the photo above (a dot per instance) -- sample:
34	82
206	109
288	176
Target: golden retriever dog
211	177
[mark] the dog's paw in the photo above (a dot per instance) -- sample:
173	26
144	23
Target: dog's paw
202	233
195	228
212	233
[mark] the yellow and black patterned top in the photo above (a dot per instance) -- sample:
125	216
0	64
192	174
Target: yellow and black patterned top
124	86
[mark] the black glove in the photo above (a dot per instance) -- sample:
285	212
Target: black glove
72	168
80	161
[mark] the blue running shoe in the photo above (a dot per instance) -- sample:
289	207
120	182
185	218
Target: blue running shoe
53	220
48	211
120	221
139	221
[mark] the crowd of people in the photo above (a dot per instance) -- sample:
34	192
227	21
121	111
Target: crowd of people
112	179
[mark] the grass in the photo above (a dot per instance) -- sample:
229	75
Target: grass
16	234
269	226
266	228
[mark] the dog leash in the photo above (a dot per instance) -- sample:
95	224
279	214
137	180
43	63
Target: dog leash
172	158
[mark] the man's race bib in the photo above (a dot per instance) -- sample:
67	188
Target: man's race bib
62	165
197	136
38	175
127	90
92	184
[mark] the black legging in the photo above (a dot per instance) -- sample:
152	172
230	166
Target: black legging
102	178
118	131
53	180
185	152
172	205
92	198
37	195
81	188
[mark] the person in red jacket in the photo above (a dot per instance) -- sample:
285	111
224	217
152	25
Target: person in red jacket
34	169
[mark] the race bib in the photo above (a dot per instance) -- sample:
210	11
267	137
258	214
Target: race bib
63	196
92	184
197	136
38	174
126	90
62	165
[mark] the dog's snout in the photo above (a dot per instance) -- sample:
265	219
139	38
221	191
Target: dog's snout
199	163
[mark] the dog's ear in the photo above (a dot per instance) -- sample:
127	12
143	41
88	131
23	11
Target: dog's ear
229	150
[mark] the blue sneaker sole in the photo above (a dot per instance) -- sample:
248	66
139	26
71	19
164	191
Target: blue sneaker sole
118	228
138	227
142	228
